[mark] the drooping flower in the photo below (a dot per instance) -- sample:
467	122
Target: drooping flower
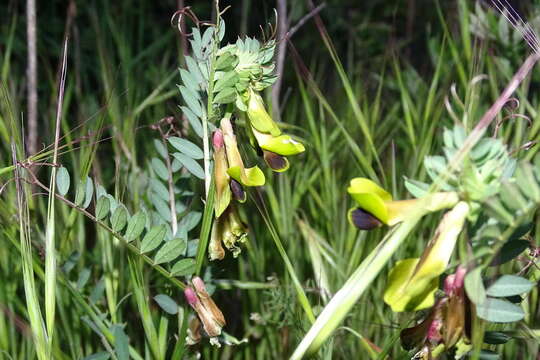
412	282
274	145
207	311
228	230
376	207
246	176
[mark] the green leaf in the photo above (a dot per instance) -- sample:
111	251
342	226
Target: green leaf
153	238
192	100
193	245
113	202
225	96
160	169
226	61
207	36
496	337
497	310
509	285
194	121
184	267
190	221
102	207
79	193
189	80
135	226
416	188
194	69
162	208
191	165
167	304
160	189
88	193
121	342
186	147
62	181
160	148
119	218
176	165
228	80
475	287
170	251
84	193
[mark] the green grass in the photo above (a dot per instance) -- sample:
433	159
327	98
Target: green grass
356	116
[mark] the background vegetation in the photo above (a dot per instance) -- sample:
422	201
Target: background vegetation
368	87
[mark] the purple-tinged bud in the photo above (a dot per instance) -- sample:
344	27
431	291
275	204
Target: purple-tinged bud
217	139
453	284
191	297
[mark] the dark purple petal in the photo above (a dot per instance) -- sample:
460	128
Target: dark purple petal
363	220
238	191
276	162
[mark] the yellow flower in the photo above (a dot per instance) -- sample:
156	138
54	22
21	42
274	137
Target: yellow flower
228	230
412	282
274	145
376	207
258	116
246	176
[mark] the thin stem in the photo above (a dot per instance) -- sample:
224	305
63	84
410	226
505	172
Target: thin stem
210	105
50	249
32	76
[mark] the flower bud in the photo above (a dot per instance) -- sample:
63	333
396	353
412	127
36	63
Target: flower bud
207	311
258	116
223	192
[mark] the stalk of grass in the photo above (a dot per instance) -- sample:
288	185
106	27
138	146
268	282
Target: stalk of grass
50	248
302	298
42	345
142	300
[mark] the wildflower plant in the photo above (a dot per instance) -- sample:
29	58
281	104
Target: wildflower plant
492	199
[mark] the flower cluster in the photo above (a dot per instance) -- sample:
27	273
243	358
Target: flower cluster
231	175
412	283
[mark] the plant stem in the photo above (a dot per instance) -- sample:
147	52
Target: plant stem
210	105
50	249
